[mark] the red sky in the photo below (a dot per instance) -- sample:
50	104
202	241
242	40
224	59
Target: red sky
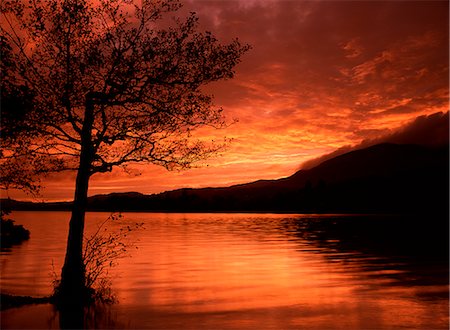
321	75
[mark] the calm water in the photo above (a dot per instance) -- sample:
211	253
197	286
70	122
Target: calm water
245	271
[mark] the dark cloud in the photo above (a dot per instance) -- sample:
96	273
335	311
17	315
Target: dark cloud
321	75
394	50
431	130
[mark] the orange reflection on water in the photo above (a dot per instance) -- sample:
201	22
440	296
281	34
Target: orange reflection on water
241	271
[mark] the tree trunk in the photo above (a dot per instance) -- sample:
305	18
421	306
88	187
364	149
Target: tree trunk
72	290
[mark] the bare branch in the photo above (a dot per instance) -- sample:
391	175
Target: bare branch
144	82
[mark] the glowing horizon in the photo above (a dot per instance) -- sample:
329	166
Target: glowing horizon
320	76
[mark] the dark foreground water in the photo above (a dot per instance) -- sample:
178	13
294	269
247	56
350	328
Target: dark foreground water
247	271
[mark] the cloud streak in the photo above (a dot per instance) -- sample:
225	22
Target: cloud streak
321	75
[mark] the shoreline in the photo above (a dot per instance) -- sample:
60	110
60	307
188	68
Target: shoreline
12	301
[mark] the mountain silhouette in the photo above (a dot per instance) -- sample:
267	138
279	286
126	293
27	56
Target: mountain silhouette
381	178
384	178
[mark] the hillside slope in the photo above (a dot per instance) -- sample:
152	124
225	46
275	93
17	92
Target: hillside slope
385	178
381	178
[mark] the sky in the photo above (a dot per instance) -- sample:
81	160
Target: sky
321	76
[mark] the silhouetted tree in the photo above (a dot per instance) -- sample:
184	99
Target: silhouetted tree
112	82
20	166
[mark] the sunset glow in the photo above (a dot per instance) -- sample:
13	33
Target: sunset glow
319	76
224	164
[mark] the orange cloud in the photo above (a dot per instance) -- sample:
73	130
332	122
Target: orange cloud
320	76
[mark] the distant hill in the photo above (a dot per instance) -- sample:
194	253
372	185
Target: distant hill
384	178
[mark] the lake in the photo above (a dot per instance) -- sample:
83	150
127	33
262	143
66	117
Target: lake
246	271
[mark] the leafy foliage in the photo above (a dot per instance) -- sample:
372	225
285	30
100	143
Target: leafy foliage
21	164
11	233
140	71
106	83
101	252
